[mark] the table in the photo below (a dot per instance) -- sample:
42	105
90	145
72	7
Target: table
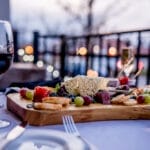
105	135
22	72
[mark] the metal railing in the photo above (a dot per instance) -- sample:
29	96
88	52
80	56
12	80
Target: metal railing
62	51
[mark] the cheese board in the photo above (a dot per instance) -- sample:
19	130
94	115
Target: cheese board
93	112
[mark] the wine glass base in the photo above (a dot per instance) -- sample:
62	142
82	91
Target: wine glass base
4	123
1	105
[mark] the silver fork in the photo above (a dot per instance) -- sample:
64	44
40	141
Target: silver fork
71	128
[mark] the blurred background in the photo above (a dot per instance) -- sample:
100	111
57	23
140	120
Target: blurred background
63	38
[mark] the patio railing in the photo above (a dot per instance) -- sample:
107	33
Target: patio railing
73	55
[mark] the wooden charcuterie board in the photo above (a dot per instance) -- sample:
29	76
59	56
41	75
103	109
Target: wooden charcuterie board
93	112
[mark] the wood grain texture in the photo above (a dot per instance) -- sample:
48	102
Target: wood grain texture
93	112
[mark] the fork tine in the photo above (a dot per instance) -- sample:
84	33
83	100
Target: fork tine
69	125
71	128
65	123
74	126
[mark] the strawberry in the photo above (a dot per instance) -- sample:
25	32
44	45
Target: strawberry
124	80
39	93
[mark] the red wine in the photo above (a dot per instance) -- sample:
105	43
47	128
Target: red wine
5	62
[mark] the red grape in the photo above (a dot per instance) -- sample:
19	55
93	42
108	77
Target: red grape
87	100
23	92
140	99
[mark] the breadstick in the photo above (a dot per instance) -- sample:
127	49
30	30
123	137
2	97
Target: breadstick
46	106
57	100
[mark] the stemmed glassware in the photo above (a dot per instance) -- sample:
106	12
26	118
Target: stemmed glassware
6	54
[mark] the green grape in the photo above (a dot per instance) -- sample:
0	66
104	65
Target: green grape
147	98
79	101
57	87
29	95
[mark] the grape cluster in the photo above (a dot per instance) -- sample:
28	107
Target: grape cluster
62	91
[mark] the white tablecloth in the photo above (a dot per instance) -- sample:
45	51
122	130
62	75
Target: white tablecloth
105	135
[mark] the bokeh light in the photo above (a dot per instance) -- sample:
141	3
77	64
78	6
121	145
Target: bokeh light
31	58
112	51
96	49
20	52
29	50
140	65
119	65
50	68
92	73
27	58
56	73
40	63
82	51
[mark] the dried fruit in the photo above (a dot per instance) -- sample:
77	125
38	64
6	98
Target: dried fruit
102	97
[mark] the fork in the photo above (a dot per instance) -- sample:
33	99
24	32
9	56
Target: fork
71	128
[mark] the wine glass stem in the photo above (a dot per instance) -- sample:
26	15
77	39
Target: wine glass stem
1	105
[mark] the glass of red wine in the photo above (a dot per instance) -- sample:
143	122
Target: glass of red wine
6	54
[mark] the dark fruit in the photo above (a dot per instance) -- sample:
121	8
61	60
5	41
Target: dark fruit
123	87
53	94
62	91
98	97
105	97
102	97
87	100
72	97
23	92
123	80
140	99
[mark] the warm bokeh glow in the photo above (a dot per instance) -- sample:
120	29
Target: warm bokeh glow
29	50
140	65
82	51
119	64
112	51
92	73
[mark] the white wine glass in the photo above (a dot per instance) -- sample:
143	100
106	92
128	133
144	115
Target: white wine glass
6	55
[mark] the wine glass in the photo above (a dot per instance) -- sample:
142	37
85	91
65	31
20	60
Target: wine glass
127	62
6	53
